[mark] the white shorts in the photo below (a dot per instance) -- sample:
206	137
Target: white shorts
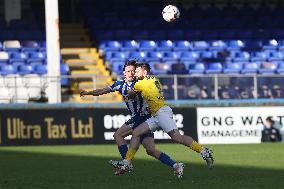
163	119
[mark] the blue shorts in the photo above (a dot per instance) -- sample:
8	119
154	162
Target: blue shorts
135	121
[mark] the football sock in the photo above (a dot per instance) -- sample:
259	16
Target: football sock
164	158
196	146
130	154
123	150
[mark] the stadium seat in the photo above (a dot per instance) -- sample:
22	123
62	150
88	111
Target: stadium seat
29	46
200	45
2	81
197	68
281	45
160	68
129	46
140	56
280	68
217	45
253	45
20	94
235	45
274	55
241	56
18	57
6	69
117	66
250	68
232	68
267	68
5	96
154	56
270	44
119	56
147	45
189	56
206	55
182	46
171	56
13	80
12	46
258	56
25	69
178	68
4	57
41	69
165	45
36	57
214	68
111	46
64	71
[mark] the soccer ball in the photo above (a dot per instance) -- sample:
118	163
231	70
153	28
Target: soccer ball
170	13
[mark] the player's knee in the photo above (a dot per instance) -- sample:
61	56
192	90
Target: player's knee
150	151
135	134
176	136
116	135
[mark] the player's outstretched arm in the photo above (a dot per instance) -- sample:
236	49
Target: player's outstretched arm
96	92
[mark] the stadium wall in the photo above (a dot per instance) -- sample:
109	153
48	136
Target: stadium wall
90	124
51	126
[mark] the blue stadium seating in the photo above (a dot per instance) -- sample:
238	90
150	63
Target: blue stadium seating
214	68
147	45
129	45
41	69
280	68
6	69
267	68
25	69
165	45
232	68
250	68
182	45
154	56
197	68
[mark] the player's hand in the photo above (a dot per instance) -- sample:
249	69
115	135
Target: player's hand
83	93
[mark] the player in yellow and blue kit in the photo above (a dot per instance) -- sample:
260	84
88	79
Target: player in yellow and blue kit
162	116
139	112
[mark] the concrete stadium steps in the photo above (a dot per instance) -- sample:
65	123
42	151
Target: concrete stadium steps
74	35
88	72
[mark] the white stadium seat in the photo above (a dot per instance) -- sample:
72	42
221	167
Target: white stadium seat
2	81
5	96
14	80
20	94
34	93
12	44
32	80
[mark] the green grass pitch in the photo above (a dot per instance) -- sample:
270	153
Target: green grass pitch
244	166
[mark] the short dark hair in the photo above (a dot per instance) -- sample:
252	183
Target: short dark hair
269	119
145	66
129	63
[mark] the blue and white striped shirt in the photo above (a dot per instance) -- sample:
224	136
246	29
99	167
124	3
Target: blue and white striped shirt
135	106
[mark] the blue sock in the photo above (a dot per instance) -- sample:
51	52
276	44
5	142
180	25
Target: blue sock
123	150
164	158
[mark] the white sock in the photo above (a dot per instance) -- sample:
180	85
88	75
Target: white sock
126	162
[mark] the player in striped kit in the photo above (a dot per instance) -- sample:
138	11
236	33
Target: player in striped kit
138	110
162	116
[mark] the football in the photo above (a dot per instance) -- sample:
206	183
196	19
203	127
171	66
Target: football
170	13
